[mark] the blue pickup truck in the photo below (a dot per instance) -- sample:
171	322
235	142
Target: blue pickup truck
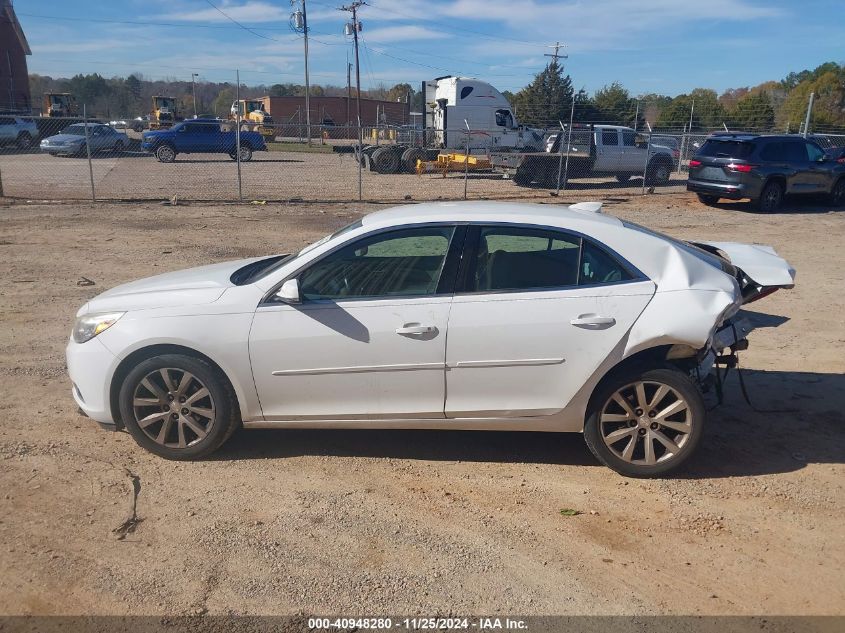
201	136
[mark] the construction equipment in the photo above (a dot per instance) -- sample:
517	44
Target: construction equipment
452	162
59	104
254	117
165	113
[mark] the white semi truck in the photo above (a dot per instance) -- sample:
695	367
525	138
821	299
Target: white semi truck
453	104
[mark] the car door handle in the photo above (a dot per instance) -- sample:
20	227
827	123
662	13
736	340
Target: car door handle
593	321
415	329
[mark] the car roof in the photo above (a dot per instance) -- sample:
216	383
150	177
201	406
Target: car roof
484	211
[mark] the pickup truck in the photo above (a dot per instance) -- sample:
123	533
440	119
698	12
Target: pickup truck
594	150
201	136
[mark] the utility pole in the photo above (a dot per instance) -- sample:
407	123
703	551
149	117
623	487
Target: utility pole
300	23
194	91
556	55
355	28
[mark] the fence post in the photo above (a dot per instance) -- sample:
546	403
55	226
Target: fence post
568	144
560	151
809	112
683	148
88	150
1	183
647	160
238	133
466	159
360	159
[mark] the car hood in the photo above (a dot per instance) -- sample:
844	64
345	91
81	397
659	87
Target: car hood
65	138
193	286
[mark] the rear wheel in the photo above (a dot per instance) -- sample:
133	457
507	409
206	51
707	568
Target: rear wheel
24	140
658	172
178	407
646	422
708	200
837	194
246	153
386	160
410	157
165	154
770	198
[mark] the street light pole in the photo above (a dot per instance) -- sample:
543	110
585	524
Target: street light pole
194	91
356	27
299	23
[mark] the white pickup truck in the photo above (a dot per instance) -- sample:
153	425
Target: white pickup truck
594	150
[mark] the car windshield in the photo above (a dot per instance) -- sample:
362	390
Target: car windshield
718	148
75	130
275	265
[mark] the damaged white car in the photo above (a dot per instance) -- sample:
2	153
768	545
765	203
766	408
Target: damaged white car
482	316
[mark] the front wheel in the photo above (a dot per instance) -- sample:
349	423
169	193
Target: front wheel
645	423
165	154
246	154
658	173
178	407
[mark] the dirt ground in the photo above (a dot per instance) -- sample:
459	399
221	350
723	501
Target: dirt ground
380	522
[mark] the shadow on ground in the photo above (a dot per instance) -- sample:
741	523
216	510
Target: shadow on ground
798	421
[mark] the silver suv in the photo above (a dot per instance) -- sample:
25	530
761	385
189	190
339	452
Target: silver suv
20	131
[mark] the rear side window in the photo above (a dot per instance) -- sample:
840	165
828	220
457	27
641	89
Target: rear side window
527	258
629	139
795	151
773	152
726	149
609	137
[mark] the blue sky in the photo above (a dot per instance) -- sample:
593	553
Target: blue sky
663	46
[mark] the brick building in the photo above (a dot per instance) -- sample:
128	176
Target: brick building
14	77
333	111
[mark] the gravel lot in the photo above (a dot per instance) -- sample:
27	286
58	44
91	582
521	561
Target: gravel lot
374	522
270	176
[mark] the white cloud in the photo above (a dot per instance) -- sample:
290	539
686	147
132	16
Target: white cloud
251	11
77	47
402	34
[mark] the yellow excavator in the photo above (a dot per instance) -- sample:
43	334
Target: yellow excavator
253	117
59	104
164	113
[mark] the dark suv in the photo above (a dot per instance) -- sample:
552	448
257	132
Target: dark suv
764	169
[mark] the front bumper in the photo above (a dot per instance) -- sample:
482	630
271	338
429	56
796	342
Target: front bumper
91	366
61	149
729	190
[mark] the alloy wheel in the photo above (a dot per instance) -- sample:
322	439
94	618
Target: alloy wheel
173	408
646	423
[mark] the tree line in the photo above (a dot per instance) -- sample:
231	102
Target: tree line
544	102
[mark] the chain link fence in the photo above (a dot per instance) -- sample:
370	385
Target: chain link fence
81	158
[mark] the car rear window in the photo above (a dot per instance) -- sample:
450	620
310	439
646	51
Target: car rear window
726	149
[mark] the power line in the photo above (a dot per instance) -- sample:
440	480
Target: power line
140	22
234	21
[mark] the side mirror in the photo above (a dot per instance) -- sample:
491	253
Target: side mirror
289	292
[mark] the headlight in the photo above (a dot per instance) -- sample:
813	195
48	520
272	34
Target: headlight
88	326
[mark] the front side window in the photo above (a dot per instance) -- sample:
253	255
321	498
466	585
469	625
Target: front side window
405	262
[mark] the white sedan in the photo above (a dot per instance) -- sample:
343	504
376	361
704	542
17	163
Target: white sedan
482	316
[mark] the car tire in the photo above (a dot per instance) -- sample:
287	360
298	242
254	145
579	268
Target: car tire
386	160
770	198
658	172
24	140
165	154
837	194
708	200
246	154
410	157
648	393
178	407
623	178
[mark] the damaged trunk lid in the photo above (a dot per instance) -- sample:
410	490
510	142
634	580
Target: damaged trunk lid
760	271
